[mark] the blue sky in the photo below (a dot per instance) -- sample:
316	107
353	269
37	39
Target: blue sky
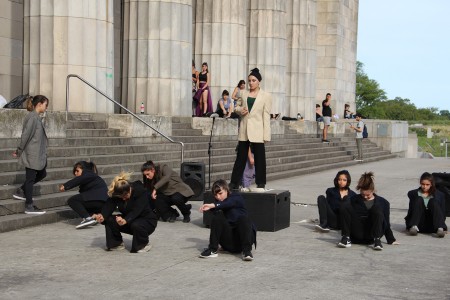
405	46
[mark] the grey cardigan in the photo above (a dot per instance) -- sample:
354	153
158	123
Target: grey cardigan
32	150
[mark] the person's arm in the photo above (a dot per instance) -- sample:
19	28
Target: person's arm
208	79
251	159
232	201
197	78
28	130
137	208
233	96
77	181
222	107
388	231
107	210
230	108
166	172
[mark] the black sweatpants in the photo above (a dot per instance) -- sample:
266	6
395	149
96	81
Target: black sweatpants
362	229
31	177
85	208
427	219
233	238
139	228
327	217
259	152
163	205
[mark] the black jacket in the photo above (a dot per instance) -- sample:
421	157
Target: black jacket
357	202
233	207
136	207
92	186
334	198
438	196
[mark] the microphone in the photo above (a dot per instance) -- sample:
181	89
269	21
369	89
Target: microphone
213	115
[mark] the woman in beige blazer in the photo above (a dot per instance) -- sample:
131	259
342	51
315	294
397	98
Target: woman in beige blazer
255	129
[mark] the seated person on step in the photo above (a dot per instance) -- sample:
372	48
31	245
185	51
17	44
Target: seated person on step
426	212
166	189
230	224
330	205
93	192
225	106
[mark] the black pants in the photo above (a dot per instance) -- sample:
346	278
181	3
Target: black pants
85	208
140	229
221	114
259	153
327	217
427	219
31	177
233	239
362	229
163	205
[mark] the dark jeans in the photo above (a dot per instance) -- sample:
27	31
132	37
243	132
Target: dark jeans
140	228
327	217
427	219
163	205
259	153
31	177
85	208
233	238
362	229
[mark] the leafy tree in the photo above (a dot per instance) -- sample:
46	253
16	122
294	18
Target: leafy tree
445	113
368	91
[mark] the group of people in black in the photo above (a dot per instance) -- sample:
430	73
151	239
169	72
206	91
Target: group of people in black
363	218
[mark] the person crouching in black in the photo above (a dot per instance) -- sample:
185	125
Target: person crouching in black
230	225
136	217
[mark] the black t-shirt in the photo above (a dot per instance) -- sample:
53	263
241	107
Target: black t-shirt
326	111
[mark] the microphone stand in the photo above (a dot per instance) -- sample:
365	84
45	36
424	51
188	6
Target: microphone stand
213	116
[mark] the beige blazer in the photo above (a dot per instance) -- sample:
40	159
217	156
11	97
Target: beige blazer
255	126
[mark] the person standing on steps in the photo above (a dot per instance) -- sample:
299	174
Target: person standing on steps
203	94
255	129
326	114
32	152
167	189
359	136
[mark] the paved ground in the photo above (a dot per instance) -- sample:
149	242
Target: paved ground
58	262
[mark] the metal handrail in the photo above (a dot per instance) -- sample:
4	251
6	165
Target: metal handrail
121	106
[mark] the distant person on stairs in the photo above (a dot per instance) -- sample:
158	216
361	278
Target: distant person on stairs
32	152
93	192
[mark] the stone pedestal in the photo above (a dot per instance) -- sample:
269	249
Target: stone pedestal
63	37
157	56
220	40
267	48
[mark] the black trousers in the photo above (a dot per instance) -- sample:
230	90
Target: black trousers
85	208
259	152
362	229
32	177
427	219
327	217
163	205
140	229
233	239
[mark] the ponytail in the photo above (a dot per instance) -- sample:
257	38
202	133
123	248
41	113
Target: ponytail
120	185
85	165
29	103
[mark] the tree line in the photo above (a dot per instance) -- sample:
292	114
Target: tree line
372	102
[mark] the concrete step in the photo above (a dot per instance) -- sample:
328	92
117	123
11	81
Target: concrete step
83	133
86	125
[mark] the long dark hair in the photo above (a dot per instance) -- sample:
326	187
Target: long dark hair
150	166
336	179
85	165
430	178
207	68
241	82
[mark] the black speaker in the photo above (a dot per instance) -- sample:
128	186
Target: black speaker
269	211
193	174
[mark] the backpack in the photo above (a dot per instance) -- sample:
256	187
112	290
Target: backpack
17	102
365	133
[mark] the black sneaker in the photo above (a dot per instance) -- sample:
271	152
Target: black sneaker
19	194
345	242
187	218
322	228
377	245
86	222
172	219
207	253
247	255
33	210
325	141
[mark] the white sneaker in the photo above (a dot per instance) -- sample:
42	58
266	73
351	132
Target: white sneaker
440	233
245	190
145	249
258	190
86	222
413	230
120	247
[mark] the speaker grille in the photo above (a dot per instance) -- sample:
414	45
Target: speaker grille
195	185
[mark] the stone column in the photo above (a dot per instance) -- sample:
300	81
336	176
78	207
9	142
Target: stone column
63	37
301	58
337	24
157	56
11	48
267	48
220	40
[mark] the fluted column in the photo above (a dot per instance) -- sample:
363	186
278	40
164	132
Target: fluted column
337	24
62	37
11	39
157	56
267	48
220	40
301	57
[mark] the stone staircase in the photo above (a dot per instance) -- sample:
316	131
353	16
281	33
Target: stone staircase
88	138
